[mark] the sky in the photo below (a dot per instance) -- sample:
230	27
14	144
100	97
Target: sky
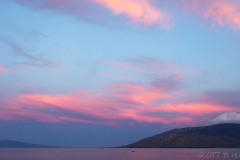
104	73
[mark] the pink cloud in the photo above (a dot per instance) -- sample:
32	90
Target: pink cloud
218	12
139	102
124	101
137	11
195	108
1	69
137	93
152	101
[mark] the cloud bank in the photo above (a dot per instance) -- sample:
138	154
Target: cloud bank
159	99
137	102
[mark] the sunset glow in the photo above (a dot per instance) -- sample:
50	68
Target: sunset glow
114	68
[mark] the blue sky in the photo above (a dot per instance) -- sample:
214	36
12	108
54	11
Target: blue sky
100	69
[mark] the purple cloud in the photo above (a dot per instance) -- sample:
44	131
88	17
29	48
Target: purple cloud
227	98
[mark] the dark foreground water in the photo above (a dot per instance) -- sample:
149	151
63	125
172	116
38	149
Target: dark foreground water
119	154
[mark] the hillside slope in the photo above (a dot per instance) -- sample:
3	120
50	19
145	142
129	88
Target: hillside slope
216	136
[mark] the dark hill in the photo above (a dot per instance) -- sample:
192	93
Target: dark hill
215	136
17	144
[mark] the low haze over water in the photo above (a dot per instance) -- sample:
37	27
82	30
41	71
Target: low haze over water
119	154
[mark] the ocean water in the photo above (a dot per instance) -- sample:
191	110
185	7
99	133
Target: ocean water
119	154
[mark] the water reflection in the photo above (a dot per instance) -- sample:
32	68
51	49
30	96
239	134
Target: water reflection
119	154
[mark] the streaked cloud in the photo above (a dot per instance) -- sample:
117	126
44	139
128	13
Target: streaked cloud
150	66
159	66
119	66
135	11
222	97
150	102
32	60
124	101
153	99
218	12
196	108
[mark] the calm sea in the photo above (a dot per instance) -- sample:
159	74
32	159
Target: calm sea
119	154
